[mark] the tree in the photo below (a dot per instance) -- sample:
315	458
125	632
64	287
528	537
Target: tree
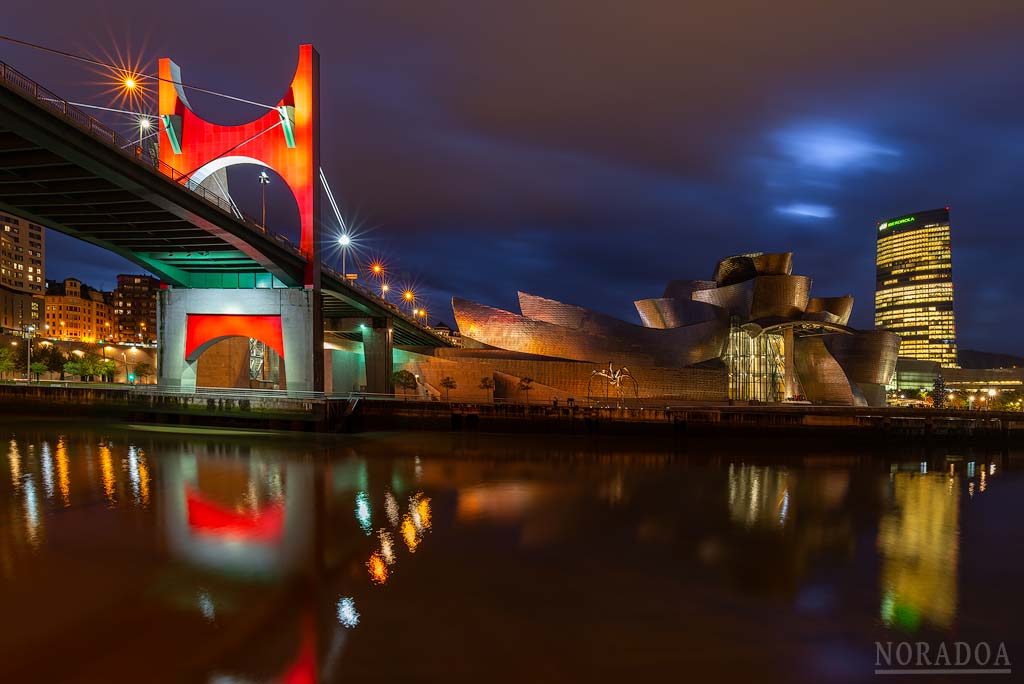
448	384
73	368
487	384
38	368
54	359
403	380
107	368
7	361
142	370
525	385
939	392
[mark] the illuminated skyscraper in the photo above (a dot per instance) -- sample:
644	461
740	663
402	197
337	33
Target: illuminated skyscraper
914	285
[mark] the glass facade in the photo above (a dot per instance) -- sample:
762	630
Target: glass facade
756	365
914	285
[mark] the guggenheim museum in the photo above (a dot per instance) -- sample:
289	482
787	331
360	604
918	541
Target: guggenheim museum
751	333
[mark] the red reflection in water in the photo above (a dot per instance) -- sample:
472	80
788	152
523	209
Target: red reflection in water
209	518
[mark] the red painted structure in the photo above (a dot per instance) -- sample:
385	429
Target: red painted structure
204	328
285	139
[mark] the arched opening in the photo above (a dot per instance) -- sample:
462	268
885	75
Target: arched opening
239	362
232	350
237	178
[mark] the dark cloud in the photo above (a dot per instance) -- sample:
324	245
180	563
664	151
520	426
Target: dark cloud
591	151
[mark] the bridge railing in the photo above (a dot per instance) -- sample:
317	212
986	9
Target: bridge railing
226	392
53	102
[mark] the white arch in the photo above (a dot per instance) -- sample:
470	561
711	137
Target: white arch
211	167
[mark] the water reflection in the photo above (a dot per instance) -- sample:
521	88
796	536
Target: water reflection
283	560
919	542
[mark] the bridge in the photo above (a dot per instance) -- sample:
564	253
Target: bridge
224	274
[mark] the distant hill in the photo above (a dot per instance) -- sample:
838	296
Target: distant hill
978	359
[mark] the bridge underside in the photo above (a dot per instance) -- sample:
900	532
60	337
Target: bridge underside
65	178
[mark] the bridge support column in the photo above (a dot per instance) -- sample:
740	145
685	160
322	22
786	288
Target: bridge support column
377	355
189	321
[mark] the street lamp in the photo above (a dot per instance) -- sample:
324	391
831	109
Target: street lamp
384	288
344	242
264	182
410	298
144	124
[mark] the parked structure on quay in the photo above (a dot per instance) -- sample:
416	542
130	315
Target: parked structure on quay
752	333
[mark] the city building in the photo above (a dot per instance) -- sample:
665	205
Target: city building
77	312
752	333
134	308
914	285
19	310
22	255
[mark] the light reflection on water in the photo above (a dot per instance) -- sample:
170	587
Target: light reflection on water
298	559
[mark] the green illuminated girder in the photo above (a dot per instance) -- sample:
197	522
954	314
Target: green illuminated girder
172	125
287	114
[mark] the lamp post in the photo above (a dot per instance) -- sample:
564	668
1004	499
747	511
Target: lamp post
384	287
28	330
264	182
344	241
144	124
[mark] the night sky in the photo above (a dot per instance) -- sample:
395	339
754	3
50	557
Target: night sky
590	151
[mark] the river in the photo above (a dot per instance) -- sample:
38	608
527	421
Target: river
137	554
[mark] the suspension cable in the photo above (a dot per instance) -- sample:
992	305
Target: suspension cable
106	65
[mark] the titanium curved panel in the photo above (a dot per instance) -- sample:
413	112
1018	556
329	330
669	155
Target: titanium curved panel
683	289
625	344
821	377
780	263
667	312
841	307
735	269
783	296
866	357
735	299
552	311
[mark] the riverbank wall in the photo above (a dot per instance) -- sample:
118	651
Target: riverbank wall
344	414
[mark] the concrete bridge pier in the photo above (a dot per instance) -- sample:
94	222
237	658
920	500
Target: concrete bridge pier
190	321
377	335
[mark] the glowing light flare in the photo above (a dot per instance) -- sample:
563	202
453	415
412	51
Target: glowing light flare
47	467
347	614
377	269
387	546
412	540
409	296
63	477
419	509
31	511
363	514
378	568
107	472
14	458
391	508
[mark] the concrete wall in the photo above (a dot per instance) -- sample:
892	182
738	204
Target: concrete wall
560	379
225	364
303	345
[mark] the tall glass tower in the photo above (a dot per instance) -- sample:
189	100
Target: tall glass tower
914	285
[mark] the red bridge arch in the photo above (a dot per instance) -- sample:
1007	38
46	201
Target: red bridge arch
196	147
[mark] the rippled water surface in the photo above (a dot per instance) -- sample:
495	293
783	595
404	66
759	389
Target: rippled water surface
130	555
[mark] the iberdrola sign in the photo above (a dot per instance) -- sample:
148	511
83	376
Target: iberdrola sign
896	222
